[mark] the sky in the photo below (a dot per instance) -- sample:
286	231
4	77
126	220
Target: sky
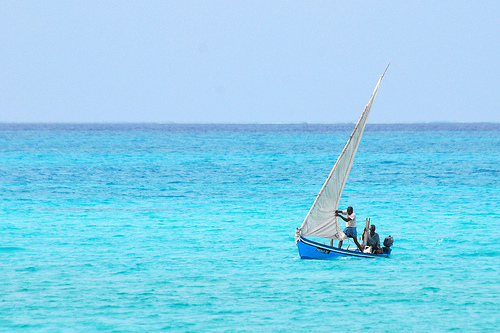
248	61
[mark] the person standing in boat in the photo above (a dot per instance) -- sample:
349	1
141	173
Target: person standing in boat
350	230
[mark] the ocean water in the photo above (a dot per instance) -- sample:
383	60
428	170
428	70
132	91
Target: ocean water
181	228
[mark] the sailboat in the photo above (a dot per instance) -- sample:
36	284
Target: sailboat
322	220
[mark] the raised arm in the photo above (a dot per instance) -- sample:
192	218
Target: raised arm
338	212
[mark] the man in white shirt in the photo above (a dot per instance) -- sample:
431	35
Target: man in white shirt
350	230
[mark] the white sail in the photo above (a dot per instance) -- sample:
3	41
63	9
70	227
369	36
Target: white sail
321	220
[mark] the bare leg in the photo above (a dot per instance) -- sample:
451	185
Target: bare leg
331	242
340	244
357	243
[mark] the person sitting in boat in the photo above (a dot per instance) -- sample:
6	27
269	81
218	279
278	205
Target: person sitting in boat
373	240
350	230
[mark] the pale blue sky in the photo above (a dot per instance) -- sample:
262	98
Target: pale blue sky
248	61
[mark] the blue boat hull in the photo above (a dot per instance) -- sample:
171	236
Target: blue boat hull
313	250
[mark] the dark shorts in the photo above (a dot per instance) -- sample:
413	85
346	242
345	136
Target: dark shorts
351	232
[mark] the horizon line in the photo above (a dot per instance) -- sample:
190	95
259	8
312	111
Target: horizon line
238	123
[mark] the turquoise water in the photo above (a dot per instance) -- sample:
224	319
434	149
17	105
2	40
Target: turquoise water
190	228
